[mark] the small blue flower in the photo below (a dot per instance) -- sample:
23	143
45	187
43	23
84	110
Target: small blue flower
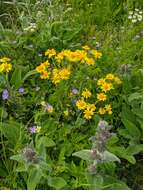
21	90
75	91
5	94
32	129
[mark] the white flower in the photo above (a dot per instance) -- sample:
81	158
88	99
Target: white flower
134	21
137	10
129	17
134	16
130	12
140	12
139	18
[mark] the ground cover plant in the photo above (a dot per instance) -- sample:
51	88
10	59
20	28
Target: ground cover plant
71	98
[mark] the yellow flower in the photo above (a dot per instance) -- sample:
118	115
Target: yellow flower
44	75
91	107
41	68
81	104
89	61
38	129
4	59
65	73
86	47
7	67
96	54
108	109
100	82
50	53
60	74
46	63
88	113
101	97
66	113
117	80
2	67
107	87
110	76
86	93
101	111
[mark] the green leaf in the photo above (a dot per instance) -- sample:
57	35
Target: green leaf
95	181
135	96
30	73
46	141
18	158
33	178
121	152
16	78
83	154
132	128
110	157
135	149
56	182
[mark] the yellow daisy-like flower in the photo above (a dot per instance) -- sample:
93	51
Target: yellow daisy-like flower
86	93
65	73
50	53
101	96
86	47
106	87
41	68
88	113
89	61
100	82
4	60
101	111
96	54
45	75
110	76
81	104
91	107
7	67
1	67
108	109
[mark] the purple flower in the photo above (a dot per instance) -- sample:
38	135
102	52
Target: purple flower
21	90
75	91
5	94
32	130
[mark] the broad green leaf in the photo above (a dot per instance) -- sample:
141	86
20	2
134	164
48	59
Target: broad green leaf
16	78
56	182
110	157
34	178
135	149
121	152
138	112
18	158
95	181
46	141
132	128
83	154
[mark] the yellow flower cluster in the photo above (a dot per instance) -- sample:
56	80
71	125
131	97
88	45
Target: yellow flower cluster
105	85
42	69
60	74
5	66
76	56
86	107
